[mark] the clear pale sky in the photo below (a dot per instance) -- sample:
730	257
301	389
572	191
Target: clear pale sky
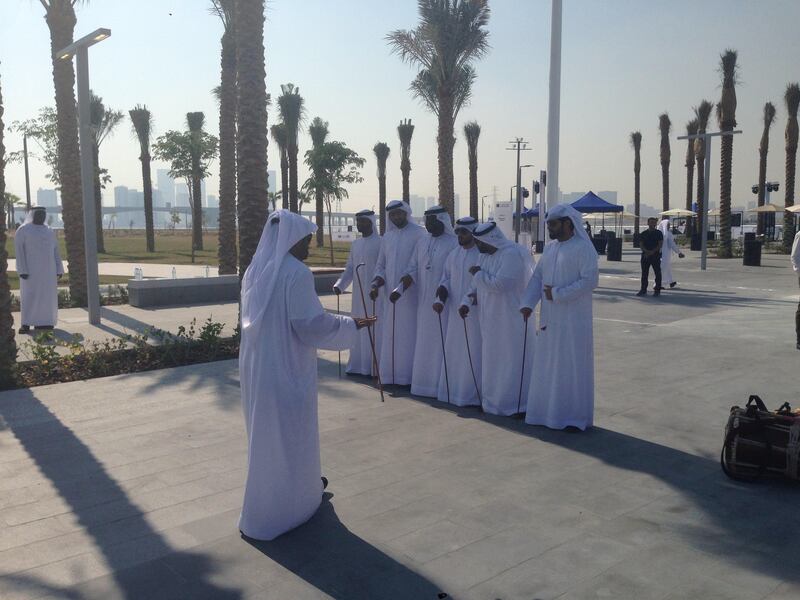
624	62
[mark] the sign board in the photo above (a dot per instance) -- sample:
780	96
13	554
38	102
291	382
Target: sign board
503	213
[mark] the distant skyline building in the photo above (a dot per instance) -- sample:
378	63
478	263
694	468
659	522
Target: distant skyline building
212	201
272	181
181	197
46	197
120	195
166	188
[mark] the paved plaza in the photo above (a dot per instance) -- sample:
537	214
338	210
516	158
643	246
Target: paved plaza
130	486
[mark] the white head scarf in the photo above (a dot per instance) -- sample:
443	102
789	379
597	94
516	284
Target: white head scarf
469	223
490	233
29	215
664	227
565	210
369	214
395	204
282	231
442	216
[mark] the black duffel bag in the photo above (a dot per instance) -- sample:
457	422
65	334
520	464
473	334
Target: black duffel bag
760	442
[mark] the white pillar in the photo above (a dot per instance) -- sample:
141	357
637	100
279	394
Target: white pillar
87	183
554	105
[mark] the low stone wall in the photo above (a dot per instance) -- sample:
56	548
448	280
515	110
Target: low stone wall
144	293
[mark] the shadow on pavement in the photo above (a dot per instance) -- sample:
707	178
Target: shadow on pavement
337	562
102	509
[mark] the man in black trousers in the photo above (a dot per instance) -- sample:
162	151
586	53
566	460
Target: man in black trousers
650	241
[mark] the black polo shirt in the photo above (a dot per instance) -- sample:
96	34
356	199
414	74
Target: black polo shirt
649	238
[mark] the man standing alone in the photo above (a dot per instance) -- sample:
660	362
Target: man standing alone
651	240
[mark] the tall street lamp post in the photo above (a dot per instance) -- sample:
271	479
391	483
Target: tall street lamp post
80	50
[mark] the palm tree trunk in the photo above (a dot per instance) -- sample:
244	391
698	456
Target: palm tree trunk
227	252
61	21
197	209
292	151
701	188
636	203
445	141
382	188
320	218
665	185
791	165
147	186
284	180
8	346
252	129
98	202
725	170
762	183
405	170
473	183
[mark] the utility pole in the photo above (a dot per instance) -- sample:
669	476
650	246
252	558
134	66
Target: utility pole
519	145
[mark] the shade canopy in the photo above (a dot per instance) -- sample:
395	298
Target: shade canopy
793	209
678	212
592	203
767	208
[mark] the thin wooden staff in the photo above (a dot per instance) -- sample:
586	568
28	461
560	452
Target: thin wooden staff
338	312
471	368
369	332
444	357
522	371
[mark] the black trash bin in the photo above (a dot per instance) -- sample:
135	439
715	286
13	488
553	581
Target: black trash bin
711	235
752	253
749	236
697	242
599	244
614	250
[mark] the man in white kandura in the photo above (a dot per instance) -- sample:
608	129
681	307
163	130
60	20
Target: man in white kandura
455	284
364	250
498	281
668	247
399	331
39	267
561	391
283	324
425	270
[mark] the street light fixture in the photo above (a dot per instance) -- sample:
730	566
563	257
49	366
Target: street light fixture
80	50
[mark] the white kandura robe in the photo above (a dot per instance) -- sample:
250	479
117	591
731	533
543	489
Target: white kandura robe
278	371
37	253
396	251
364	250
499	286
426	268
458	281
561	392
669	247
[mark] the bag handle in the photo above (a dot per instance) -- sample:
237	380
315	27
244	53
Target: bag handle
785	409
754	399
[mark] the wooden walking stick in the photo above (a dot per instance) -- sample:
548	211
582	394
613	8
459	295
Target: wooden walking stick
471	368
444	357
522	373
369	331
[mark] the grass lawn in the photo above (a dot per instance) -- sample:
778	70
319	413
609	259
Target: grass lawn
175	248
13	280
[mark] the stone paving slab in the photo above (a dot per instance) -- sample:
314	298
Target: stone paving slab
129	486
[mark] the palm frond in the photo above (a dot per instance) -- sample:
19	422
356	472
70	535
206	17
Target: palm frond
318	130
664	124
411	47
463	88
278	132
769	114
224	10
728	67
291	109
636	140
195	121
472	131
142	121
424	89
792	99
381	150
702	112
405	131
691	127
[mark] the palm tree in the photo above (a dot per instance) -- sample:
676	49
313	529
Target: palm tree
290	107
636	144
278	132
665	126
318	130
472	131
763	148
702	112
251	145
792	99
726	116
691	129
227	252
142	122
451	35
8	347
60	18
195	121
381	150
405	132
103	121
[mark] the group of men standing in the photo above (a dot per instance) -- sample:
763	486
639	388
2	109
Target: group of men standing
454	309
